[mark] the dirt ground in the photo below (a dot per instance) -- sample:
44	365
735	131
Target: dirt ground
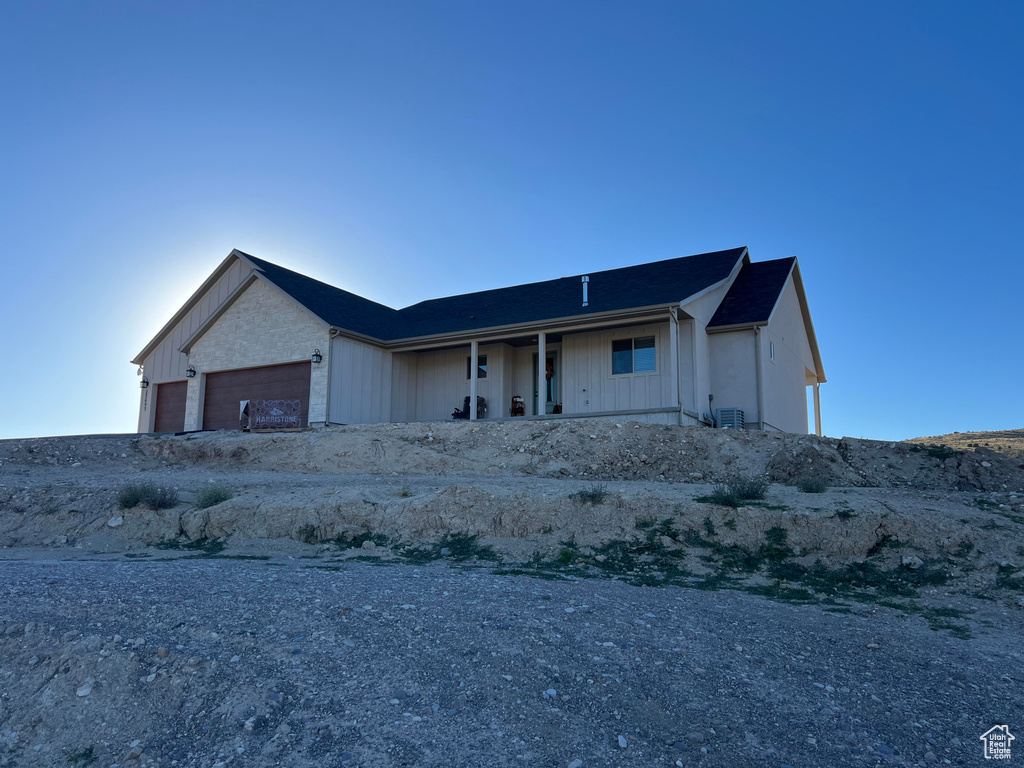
926	531
524	489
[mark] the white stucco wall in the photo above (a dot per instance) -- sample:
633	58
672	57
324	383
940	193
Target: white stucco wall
734	372
262	327
699	386
785	378
784	392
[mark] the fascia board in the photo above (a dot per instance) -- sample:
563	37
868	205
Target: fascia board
735	327
187	306
808	323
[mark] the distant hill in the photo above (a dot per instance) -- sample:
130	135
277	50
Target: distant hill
1008	441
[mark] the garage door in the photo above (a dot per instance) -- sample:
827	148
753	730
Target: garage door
225	390
170	406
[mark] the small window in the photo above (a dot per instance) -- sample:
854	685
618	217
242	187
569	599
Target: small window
633	355
771	350
622	356
481	367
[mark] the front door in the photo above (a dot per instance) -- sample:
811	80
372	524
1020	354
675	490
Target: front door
552	394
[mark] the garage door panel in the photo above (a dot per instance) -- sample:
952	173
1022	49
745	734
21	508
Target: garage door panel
282	390
226	389
170	406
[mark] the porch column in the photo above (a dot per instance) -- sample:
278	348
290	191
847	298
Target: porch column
474	354
673	361
817	409
542	389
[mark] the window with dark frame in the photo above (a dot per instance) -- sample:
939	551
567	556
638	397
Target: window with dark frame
481	367
633	355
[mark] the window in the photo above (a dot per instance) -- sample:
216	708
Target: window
771	350
481	367
633	355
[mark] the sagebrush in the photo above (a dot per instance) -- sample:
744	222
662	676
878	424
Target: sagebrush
812	484
209	495
134	494
595	494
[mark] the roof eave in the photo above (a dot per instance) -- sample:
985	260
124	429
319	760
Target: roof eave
736	327
518	329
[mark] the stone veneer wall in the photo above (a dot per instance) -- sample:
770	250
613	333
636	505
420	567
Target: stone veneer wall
262	327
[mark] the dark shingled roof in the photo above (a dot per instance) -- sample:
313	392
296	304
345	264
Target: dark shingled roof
753	294
660	282
333	305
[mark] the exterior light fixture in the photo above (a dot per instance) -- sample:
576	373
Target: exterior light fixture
317	357
144	384
190	372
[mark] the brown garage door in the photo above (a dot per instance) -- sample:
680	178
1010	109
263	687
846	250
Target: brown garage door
225	390
170	406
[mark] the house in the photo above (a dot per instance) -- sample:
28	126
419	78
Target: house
671	342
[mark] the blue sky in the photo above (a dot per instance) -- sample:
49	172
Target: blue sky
406	151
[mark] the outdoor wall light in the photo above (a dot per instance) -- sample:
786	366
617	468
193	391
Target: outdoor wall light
144	383
317	357
190	372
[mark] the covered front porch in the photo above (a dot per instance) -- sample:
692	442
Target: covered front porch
629	368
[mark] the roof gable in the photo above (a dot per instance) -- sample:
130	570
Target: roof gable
754	293
334	306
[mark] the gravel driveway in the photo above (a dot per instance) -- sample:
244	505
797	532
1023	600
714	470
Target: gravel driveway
289	662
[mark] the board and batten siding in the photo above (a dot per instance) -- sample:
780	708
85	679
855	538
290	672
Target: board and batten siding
588	385
441	385
403	386
361	383
167	362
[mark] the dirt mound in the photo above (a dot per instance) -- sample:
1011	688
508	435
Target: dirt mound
525	488
595	449
1008	441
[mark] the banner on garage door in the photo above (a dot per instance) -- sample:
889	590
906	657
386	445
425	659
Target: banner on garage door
275	414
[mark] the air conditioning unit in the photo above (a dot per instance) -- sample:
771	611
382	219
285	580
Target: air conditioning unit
729	418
